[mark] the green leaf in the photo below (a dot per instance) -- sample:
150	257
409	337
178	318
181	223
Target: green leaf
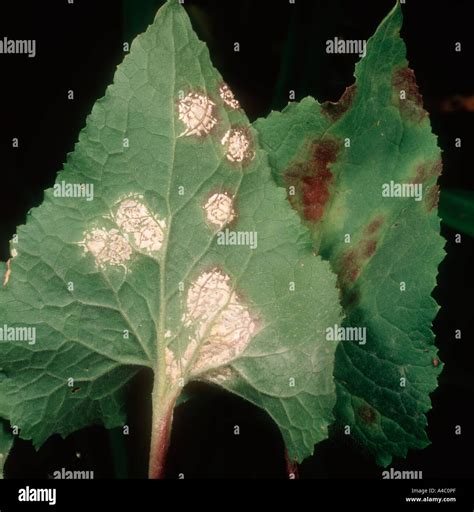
456	208
148	274
336	160
6	444
6	437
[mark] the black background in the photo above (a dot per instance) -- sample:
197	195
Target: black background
282	48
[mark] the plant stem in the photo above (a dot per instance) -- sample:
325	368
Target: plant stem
291	467
160	436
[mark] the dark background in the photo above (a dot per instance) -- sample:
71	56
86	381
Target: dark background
282	48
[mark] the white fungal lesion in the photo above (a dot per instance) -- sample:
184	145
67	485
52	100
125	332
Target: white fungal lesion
220	375
219	209
196	111
228	97
238	145
8	272
146	230
173	370
175	367
107	246
219	323
136	229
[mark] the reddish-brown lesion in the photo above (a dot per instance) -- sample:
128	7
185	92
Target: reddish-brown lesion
374	226
335	110
427	171
424	174
369	248
367	414
351	298
351	263
432	197
313	179
412	106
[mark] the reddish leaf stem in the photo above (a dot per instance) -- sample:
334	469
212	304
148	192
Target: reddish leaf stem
160	440
291	467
